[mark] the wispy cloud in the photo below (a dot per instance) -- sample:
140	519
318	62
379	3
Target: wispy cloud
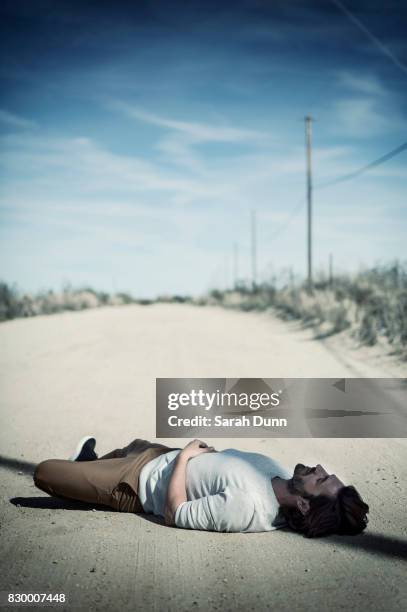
359	117
16	121
366	108
180	138
84	165
368	84
364	118
197	132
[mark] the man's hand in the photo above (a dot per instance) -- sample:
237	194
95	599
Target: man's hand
195	448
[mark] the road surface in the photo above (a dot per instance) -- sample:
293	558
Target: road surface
69	374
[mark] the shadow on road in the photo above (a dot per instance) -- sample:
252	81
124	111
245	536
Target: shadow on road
59	503
383	545
56	503
374	543
17	465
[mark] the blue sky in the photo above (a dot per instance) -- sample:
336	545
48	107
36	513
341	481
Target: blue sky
137	137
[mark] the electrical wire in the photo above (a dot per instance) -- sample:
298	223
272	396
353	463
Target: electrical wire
356	173
340	179
287	222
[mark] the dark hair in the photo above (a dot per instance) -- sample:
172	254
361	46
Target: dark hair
346	515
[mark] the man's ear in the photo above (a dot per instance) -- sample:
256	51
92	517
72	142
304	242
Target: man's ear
302	505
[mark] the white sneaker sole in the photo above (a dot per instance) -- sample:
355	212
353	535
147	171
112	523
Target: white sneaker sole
80	446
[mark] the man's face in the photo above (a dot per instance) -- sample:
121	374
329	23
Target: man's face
313	481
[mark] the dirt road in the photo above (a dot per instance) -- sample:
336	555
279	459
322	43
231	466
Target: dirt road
94	372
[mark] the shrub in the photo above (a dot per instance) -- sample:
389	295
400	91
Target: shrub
338	318
367	330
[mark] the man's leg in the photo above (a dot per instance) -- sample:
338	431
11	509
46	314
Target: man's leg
135	447
94	482
109	481
84	481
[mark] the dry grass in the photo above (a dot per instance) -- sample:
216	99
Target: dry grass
371	305
14	304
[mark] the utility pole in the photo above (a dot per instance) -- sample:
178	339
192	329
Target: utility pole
226	273
308	138
235	264
331	278
254	250
291	278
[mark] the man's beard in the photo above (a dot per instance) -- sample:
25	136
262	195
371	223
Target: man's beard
296	484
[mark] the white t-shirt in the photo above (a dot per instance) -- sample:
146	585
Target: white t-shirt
229	490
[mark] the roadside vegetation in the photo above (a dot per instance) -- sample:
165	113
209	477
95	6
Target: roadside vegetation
15	304
370	305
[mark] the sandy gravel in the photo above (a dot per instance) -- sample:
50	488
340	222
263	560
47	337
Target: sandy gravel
94	371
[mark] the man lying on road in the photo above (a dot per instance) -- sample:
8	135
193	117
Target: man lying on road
200	488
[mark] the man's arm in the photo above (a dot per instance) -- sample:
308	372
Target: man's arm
176	493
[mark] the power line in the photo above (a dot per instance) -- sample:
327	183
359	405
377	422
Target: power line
292	216
378	43
356	173
340	179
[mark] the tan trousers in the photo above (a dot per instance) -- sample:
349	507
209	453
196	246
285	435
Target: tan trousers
111	480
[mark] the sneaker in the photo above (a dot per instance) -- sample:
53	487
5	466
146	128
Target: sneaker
85	450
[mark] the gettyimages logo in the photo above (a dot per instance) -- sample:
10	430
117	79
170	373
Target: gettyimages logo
276	407
208	400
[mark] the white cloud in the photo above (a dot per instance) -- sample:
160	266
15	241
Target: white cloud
16	121
368	108
367	84
180	140
84	165
363	118
196	132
